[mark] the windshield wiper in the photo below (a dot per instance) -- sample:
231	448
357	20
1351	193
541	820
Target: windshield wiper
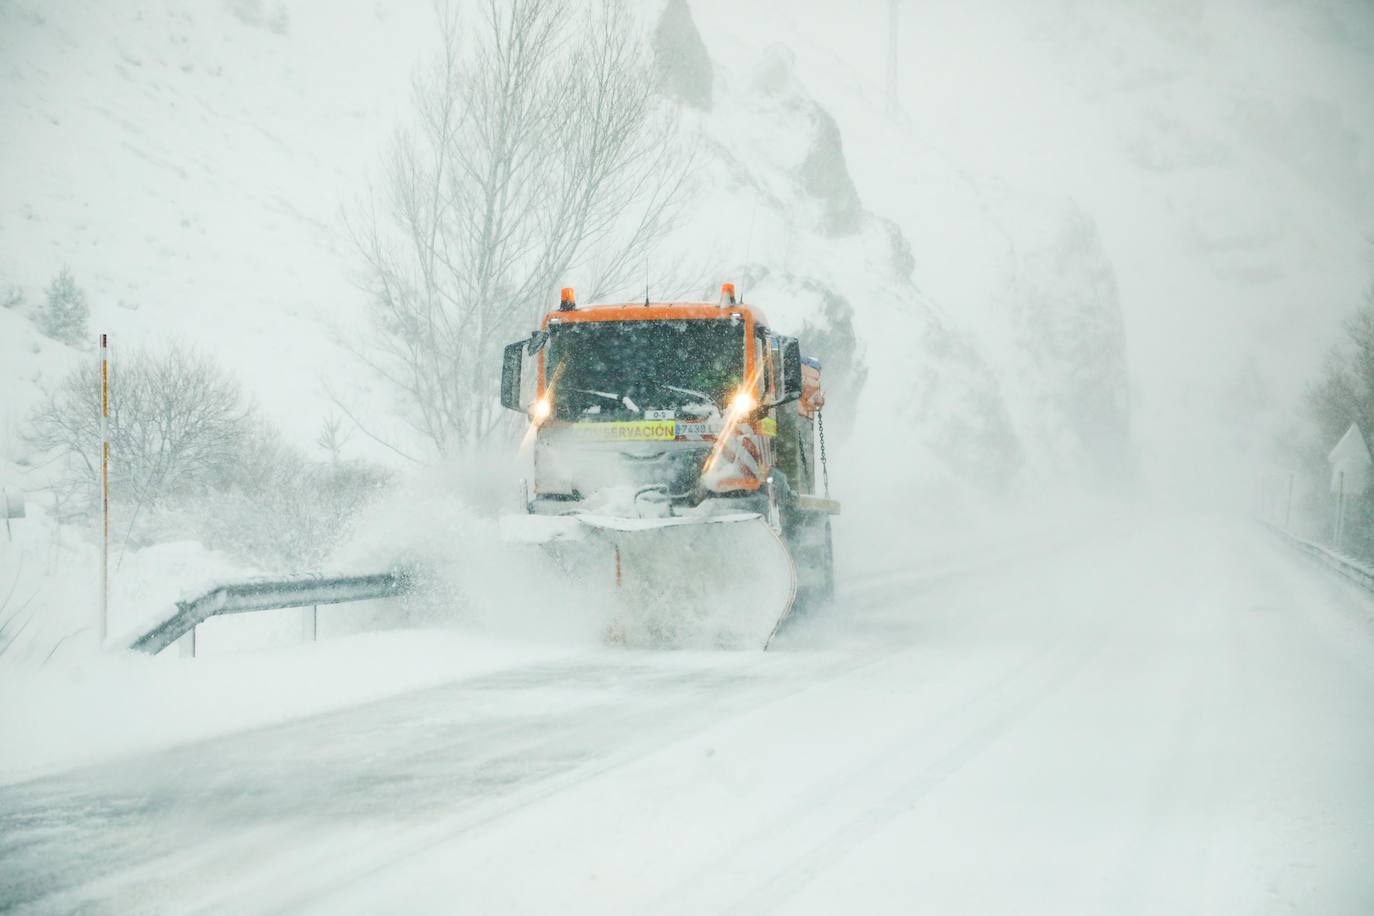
705	398
622	399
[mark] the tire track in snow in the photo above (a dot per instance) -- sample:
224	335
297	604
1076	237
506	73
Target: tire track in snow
433	772
374	862
420	754
1000	705
887	783
395	759
806	677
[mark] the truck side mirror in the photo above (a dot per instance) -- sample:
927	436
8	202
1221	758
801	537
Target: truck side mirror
511	362
791	369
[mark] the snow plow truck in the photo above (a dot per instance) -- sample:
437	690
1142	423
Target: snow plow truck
676	449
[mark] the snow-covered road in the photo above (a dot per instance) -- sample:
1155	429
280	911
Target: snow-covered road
1164	717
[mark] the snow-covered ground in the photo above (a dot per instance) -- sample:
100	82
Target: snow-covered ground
1157	715
106	707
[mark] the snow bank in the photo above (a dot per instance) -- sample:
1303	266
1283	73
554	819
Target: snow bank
80	713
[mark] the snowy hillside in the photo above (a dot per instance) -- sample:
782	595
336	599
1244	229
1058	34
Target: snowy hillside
190	163
1098	239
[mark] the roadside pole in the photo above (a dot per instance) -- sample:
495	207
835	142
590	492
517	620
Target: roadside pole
103	624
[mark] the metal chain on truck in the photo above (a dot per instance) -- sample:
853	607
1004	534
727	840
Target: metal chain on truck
825	469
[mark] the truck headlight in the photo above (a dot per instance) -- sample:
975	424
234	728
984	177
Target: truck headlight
743	402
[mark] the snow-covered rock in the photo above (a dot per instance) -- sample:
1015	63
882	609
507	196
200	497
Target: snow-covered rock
681	61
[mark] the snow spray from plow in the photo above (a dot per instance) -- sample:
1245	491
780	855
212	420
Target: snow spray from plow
725	581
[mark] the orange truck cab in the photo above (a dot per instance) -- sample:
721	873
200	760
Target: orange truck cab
664	408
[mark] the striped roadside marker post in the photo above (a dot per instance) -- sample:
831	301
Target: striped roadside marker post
102	625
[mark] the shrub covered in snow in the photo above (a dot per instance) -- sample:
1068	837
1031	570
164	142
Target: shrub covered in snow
560	146
281	510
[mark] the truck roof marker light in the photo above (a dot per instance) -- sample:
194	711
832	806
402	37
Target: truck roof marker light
727	294
567	301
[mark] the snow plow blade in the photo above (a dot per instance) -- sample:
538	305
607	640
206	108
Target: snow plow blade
724	581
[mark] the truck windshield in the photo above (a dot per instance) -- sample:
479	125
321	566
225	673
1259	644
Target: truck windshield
611	369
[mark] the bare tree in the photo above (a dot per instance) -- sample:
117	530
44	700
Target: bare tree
332	437
539	146
176	423
1344	392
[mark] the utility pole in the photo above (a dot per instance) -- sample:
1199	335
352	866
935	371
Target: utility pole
103	624
892	106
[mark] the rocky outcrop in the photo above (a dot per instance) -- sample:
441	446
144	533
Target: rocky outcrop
824	175
1071	337
961	411
681	61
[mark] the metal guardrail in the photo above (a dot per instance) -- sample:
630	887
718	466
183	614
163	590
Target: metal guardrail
266	595
11	506
1360	573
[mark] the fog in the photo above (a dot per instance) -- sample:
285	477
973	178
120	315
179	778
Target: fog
1221	150
1169	198
1084	293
